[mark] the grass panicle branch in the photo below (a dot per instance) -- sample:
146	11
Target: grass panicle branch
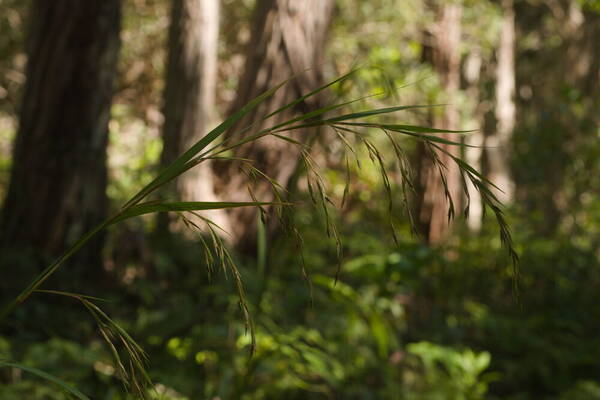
350	128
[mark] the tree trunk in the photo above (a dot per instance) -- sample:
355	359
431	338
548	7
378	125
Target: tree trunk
557	114
473	154
445	58
287	40
498	145
189	98
58	180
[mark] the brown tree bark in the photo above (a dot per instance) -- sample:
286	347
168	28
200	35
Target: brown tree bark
189	97
58	179
475	140
444	55
287	40
498	145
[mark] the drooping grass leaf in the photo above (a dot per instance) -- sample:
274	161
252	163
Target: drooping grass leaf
132	369
134	376
178	166
379	111
178	206
44	375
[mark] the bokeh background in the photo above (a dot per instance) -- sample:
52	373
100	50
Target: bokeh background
97	95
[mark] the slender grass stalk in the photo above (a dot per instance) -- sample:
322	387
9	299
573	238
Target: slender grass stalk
211	147
50	378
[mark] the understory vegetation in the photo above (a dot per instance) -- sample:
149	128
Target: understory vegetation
341	283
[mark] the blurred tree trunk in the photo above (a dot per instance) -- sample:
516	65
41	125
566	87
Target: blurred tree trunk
443	52
189	97
58	180
498	145
558	112
288	39
473	154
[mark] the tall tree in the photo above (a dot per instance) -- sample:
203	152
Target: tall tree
444	54
473	153
58	179
558	110
498	144
287	40
189	97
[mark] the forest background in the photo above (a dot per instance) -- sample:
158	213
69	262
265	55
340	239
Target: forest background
96	96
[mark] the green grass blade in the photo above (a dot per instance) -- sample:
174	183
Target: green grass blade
77	296
422	136
48	377
179	206
424	129
317	113
430	138
320	89
175	168
281	127
46	273
379	111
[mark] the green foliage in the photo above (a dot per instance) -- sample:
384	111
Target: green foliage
450	373
48	361
66	388
402	320
132	369
584	390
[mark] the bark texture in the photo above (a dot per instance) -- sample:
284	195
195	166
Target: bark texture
189	98
58	180
444	55
498	144
473	154
287	40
